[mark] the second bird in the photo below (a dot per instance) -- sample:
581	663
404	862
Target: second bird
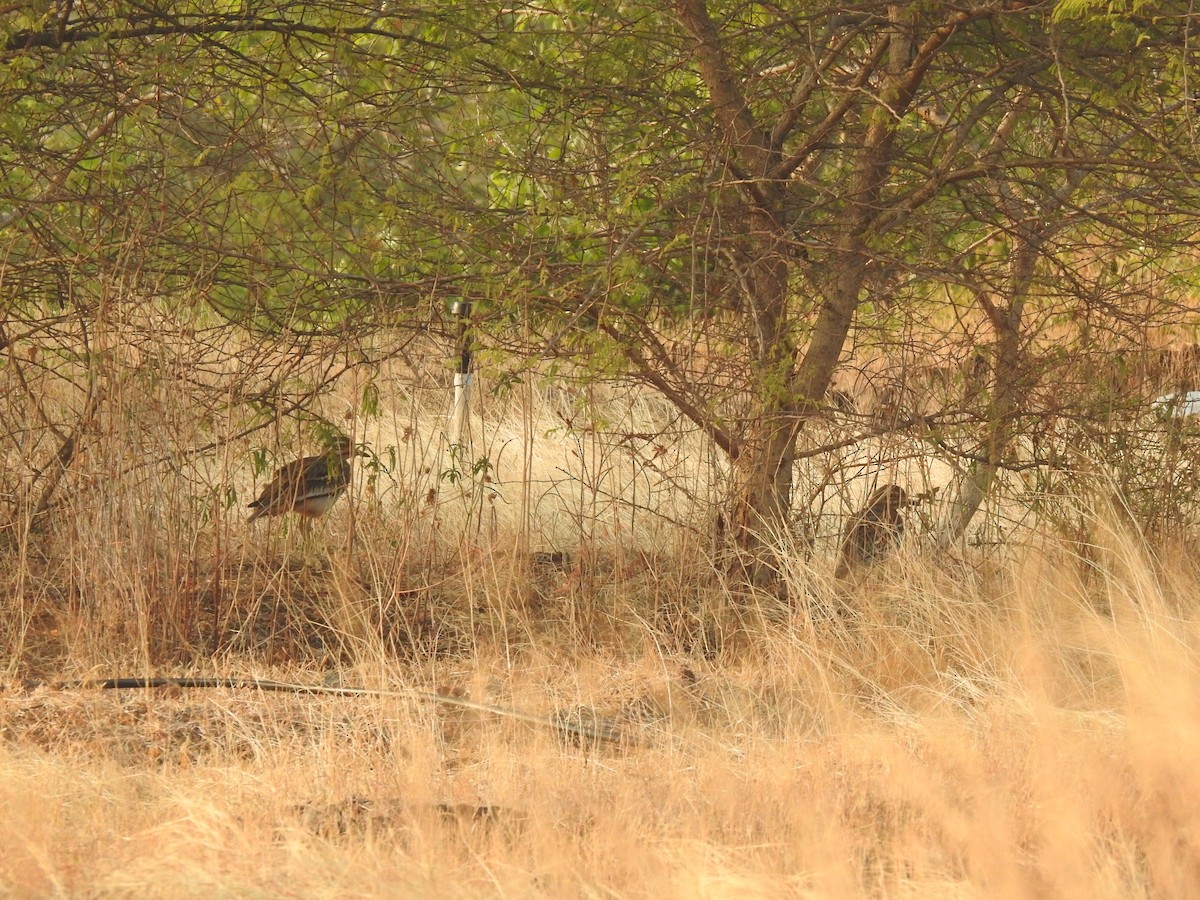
873	533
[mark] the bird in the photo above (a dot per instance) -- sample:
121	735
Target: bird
873	533
309	486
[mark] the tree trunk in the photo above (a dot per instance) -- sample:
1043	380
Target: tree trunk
1008	384
762	466
762	474
789	393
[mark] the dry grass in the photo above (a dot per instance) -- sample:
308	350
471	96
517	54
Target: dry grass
1024	723
1028	730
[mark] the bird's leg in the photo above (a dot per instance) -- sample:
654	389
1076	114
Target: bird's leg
306	529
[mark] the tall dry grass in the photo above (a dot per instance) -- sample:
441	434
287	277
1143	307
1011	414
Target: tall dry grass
1010	723
1025	730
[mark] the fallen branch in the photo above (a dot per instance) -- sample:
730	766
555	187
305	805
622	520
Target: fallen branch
573	729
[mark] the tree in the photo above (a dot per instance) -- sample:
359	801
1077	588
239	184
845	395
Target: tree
763	177
238	171
709	198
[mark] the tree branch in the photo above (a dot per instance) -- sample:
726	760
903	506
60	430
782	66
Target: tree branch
55	37
733	114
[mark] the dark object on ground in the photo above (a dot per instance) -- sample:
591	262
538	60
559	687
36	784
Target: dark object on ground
572	726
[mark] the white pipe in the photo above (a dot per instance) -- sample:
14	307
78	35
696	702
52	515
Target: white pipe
462	405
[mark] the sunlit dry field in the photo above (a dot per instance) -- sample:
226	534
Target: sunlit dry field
1010	734
999	720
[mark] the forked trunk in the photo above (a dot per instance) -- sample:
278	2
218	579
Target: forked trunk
763	468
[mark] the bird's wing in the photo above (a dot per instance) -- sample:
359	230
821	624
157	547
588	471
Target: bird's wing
324	475
282	489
